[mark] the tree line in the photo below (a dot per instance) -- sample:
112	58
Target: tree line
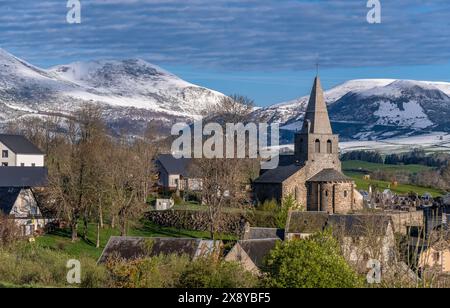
93	177
414	157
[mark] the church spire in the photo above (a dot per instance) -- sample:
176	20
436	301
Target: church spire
316	117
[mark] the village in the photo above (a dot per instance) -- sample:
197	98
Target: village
213	211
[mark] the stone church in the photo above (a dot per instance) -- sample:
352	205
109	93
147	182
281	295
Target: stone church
313	174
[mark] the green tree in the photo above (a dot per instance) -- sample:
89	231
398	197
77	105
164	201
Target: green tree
315	262
288	204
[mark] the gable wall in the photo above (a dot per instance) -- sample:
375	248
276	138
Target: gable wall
11	160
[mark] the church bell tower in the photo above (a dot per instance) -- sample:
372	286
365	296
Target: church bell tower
315	143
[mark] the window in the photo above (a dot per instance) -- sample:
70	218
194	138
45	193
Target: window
345	194
317	146
329	147
4	164
22	165
5	154
33	165
436	257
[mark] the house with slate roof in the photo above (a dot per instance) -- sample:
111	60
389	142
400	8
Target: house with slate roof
18	151
362	237
313	175
21	205
22	172
176	174
251	254
132	248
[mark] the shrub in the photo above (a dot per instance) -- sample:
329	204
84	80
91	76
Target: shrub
156	272
175	271
311	263
32	265
208	273
9	231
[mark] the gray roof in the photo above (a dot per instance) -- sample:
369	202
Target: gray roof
346	225
173	165
330	175
306	222
19	144
316	112
8	196
258	250
23	176
130	248
278	175
360	225
263	233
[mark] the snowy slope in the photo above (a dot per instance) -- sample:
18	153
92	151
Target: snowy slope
374	109
136	83
130	91
289	112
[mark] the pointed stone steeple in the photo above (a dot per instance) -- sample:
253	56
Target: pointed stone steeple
316	117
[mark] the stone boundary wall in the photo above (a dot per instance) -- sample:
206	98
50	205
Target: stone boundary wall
233	223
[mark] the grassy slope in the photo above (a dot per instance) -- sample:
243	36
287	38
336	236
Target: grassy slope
351	169
60	240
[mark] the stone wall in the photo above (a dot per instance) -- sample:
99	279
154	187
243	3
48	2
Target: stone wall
233	223
402	220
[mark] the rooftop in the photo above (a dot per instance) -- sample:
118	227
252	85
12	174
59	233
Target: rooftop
330	175
20	145
254	233
8	197
257	250
347	225
23	177
130	248
278	175
175	166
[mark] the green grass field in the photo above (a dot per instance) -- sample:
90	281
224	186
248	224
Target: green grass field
60	240
357	170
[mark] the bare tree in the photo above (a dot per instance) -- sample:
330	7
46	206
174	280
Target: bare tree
127	179
225	181
9	231
74	170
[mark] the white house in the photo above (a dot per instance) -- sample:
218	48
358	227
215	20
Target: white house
20	204
17	151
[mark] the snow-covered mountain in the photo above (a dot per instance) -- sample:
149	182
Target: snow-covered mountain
375	109
131	92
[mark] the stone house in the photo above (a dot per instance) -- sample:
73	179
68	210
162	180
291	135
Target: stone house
362	237
315	167
17	151
251	254
435	256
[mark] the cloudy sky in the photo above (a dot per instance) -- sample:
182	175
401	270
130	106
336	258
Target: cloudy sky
265	49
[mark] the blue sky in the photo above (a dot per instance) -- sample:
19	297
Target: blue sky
265	49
